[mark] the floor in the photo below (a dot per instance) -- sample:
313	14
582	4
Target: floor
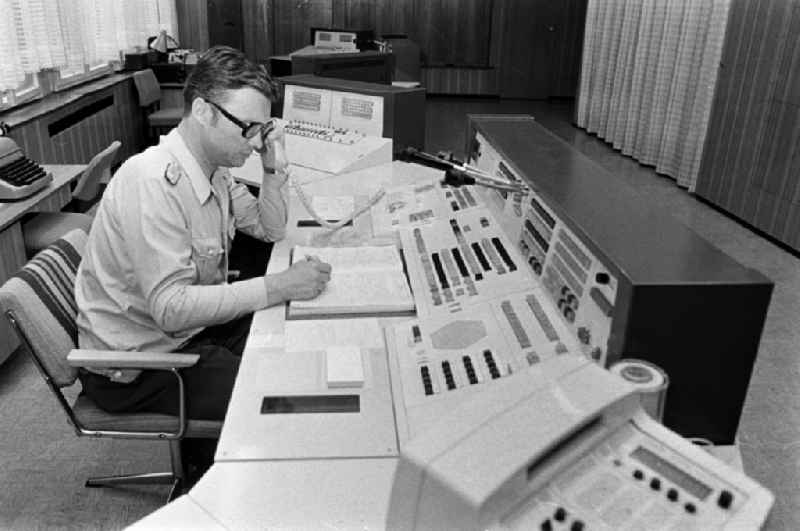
44	464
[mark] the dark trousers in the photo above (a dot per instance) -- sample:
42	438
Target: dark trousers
208	386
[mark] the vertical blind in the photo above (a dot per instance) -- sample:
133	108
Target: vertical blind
647	79
38	34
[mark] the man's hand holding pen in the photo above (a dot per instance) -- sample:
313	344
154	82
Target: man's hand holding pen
305	279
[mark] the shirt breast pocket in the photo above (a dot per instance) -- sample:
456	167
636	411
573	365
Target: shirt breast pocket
207	256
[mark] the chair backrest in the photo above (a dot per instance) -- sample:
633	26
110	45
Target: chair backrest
41	298
98	169
147	87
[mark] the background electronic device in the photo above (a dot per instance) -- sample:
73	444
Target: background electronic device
647	287
591	459
332	131
20	177
402	116
368	67
351	40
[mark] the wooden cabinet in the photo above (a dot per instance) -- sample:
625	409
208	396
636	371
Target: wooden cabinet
293	19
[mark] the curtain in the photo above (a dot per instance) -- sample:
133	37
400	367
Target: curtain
37	34
647	79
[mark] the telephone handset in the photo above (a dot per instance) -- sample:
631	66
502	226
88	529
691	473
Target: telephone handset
20	177
278	159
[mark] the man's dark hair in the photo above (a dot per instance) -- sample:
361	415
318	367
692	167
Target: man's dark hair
224	68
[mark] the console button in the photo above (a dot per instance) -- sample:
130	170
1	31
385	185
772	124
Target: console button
725	499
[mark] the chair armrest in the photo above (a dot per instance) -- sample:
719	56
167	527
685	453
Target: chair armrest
121	359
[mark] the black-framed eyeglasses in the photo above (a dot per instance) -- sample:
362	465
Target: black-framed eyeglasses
249	129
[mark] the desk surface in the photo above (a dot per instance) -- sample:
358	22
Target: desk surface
248	435
63	174
182	513
289	474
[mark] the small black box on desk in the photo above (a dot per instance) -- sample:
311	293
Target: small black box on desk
139	60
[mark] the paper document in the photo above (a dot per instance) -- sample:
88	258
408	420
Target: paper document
333	208
364	280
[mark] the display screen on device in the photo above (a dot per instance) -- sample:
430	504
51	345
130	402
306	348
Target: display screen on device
311	404
687	482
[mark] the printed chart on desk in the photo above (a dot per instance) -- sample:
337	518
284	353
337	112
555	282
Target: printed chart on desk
461	260
420	204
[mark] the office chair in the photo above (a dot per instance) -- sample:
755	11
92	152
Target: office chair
46	227
39	302
158	120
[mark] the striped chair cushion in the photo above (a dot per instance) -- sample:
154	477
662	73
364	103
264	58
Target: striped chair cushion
42	297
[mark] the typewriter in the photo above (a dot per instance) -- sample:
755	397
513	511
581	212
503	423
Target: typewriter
19	175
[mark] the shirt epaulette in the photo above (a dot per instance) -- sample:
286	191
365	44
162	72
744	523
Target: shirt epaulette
173	173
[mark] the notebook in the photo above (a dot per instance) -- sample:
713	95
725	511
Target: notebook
365	280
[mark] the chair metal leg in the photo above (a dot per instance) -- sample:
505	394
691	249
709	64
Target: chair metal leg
176	459
176	490
174	478
152	478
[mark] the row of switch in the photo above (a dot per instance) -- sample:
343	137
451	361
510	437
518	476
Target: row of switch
724	501
568	304
672	493
535	265
469	368
490	363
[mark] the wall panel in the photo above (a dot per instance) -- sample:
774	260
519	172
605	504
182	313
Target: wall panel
192	23
461	40
461	81
258	29
78	143
454	32
751	159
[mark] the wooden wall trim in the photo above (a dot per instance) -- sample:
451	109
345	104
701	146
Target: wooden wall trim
461	81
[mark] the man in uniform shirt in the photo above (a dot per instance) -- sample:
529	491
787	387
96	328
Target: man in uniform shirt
153	276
